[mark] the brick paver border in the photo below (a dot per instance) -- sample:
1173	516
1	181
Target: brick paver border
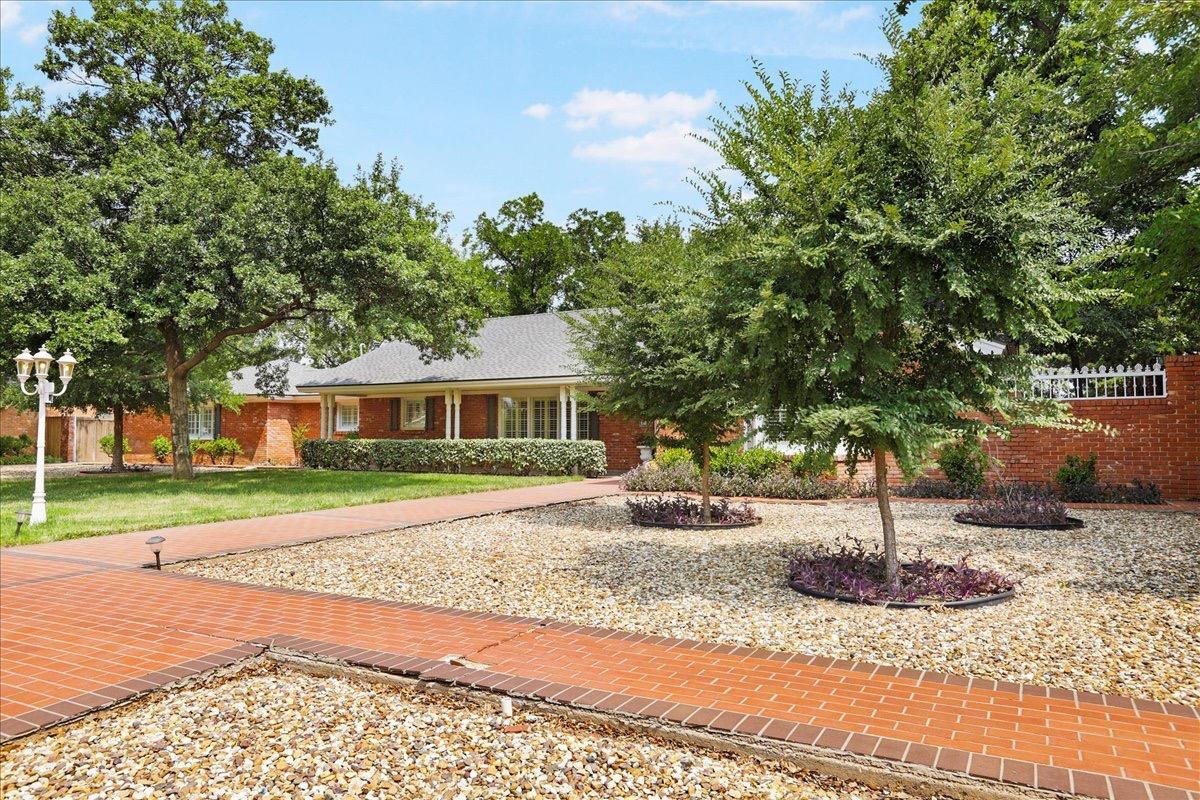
827	740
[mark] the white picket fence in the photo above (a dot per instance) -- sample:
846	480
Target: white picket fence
1102	383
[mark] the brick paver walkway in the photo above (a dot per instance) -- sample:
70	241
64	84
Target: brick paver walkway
81	626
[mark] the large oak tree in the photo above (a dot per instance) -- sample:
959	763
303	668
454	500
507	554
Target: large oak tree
191	165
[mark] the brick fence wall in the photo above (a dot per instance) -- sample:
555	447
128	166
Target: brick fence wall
1156	439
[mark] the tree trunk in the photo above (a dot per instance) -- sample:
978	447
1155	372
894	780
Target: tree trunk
177	397
891	561
118	453
705	499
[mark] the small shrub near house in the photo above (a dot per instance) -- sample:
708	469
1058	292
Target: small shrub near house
1077	477
223	450
964	464
109	441
15	445
500	456
16	450
814	463
161	447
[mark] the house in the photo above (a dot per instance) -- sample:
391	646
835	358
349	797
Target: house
263	426
522	381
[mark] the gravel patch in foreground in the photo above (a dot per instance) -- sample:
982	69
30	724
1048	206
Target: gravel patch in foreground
1114	607
277	732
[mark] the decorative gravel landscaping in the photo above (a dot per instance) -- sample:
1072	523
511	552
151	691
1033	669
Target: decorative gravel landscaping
1114	607
278	732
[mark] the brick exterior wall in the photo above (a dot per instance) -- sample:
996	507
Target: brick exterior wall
621	436
262	428
1157	439
14	422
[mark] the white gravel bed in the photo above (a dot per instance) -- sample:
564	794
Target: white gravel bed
275	732
1114	607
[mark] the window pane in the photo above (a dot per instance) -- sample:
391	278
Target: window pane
516	417
347	417
583	429
414	413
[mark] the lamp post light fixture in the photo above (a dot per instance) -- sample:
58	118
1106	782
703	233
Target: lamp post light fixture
155	545
37	365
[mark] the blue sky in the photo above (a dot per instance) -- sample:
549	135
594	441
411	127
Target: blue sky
588	104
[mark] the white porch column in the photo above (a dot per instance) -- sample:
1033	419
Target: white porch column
574	417
323	428
449	431
562	412
457	413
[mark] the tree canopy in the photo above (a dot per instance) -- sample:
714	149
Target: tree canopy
654	351
1127	74
864	247
172	207
538	265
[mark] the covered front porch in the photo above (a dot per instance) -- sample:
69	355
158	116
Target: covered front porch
536	409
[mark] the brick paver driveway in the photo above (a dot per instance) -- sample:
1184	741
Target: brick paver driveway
83	625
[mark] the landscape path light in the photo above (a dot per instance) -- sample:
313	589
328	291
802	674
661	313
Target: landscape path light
155	544
37	366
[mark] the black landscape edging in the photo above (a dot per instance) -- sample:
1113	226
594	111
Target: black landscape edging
1072	523
700	526
970	602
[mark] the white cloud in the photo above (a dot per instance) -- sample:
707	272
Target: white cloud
31	34
538	111
1145	44
840	20
589	107
10	14
670	144
628	10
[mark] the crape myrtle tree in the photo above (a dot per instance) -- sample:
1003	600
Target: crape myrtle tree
862	248
654	352
192	158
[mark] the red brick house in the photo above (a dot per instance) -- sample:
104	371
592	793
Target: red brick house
522	382
263	426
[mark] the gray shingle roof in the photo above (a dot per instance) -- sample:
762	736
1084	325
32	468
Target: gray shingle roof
243	380
507	348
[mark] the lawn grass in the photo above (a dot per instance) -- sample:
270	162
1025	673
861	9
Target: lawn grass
92	505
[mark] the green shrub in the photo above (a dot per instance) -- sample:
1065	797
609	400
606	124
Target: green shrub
964	464
225	449
502	456
1076	478
299	436
26	458
203	448
161	446
814	464
14	445
755	462
681	477
108	442
672	456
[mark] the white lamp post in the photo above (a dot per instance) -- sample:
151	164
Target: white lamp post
38	365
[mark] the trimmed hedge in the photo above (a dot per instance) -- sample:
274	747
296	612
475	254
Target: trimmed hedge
501	456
